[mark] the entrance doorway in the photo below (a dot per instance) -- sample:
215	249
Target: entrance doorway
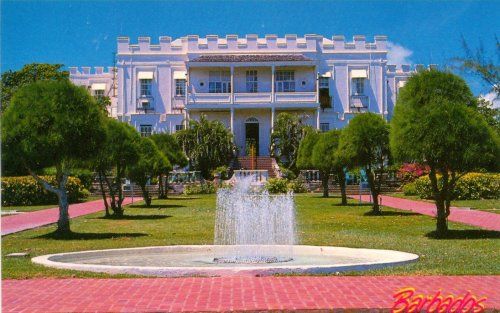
252	135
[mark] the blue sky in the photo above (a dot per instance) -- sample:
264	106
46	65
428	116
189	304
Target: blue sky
83	33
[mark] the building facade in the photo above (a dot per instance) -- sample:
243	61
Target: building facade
246	82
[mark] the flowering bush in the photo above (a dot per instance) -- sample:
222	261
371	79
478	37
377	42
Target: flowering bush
297	186
472	186
25	190
277	185
408	172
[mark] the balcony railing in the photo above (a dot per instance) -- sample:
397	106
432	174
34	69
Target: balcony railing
359	103
145	104
252	97
296	97
258	97
209	98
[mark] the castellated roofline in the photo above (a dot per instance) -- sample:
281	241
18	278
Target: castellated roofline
251	43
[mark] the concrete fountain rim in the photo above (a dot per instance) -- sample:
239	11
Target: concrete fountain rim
392	258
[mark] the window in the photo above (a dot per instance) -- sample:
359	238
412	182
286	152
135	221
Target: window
179	127
145	90
180	87
285	81
324	82
358	86
146	130
219	82
252	81
324	127
98	94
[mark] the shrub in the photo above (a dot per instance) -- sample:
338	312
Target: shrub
223	171
277	185
410	189
24	190
287	174
408	172
198	189
475	186
297	186
85	176
472	186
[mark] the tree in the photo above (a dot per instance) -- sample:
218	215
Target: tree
169	146
207	144
478	63
119	151
53	123
30	73
319	151
365	143
289	130
435	123
151	162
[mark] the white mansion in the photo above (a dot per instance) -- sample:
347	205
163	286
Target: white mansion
246	82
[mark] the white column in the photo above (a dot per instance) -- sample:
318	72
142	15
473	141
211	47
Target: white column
186	118
272	83
232	121
272	120
317	118
232	84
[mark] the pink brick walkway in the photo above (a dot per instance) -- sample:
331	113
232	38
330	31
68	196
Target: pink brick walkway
233	293
23	221
477	218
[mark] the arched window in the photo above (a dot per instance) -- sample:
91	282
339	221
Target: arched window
252	120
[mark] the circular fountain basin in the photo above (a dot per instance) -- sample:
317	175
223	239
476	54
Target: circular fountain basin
173	261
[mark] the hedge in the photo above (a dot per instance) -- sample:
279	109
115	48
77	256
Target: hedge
471	186
198	189
24	190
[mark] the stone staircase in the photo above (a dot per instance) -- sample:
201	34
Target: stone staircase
258	163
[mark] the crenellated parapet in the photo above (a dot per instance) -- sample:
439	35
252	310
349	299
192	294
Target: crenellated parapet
406	69
92	71
250	43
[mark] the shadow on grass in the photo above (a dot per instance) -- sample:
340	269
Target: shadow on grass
88	236
390	213
465	234
354	204
134	217
156	206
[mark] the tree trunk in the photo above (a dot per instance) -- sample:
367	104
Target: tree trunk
103	193
161	190
61	178
119	175
324	183
341	178
63	221
374	191
166	187
441	221
146	195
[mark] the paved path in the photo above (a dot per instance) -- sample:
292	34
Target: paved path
28	220
477	218
234	293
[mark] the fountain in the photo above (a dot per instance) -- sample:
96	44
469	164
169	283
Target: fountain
254	235
252	226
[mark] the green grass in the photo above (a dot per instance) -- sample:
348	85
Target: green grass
190	220
488	205
31	208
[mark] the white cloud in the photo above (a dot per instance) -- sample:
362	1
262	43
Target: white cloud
493	98
398	54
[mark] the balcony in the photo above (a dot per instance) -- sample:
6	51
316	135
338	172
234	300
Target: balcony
145	104
249	98
359	103
296	97
209	98
256	97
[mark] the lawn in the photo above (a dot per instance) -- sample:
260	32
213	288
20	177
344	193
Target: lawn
190	220
31	208
488	205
